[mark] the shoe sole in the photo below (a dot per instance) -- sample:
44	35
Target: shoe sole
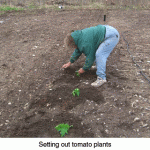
97	85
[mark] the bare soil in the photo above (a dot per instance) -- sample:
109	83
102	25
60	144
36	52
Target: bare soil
36	94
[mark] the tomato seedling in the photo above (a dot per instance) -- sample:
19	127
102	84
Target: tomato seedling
77	73
63	129
76	92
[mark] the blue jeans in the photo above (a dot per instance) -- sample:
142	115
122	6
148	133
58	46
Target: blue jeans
111	40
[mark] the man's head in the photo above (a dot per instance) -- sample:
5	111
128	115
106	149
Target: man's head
69	41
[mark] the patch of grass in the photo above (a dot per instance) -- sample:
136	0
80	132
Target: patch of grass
6	8
55	7
91	5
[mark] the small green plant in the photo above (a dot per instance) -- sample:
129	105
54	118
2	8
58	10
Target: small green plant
76	92
77	73
9	8
63	129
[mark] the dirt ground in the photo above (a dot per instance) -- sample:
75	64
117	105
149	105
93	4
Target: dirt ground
36	94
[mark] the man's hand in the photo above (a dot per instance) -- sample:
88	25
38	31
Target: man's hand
81	71
66	65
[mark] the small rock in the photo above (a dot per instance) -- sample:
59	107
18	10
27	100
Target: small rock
148	108
107	131
34	47
36	20
130	112
26	105
134	104
9	103
57	44
86	82
48	104
60	7
134	130
86	112
89	129
1	21
18	76
145	125
136	119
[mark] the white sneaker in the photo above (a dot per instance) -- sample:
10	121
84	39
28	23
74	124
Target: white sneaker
98	82
93	67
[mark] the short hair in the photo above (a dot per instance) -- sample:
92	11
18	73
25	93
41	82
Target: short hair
69	41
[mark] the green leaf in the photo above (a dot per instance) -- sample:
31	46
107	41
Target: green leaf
63	128
76	92
77	73
73	93
63	132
